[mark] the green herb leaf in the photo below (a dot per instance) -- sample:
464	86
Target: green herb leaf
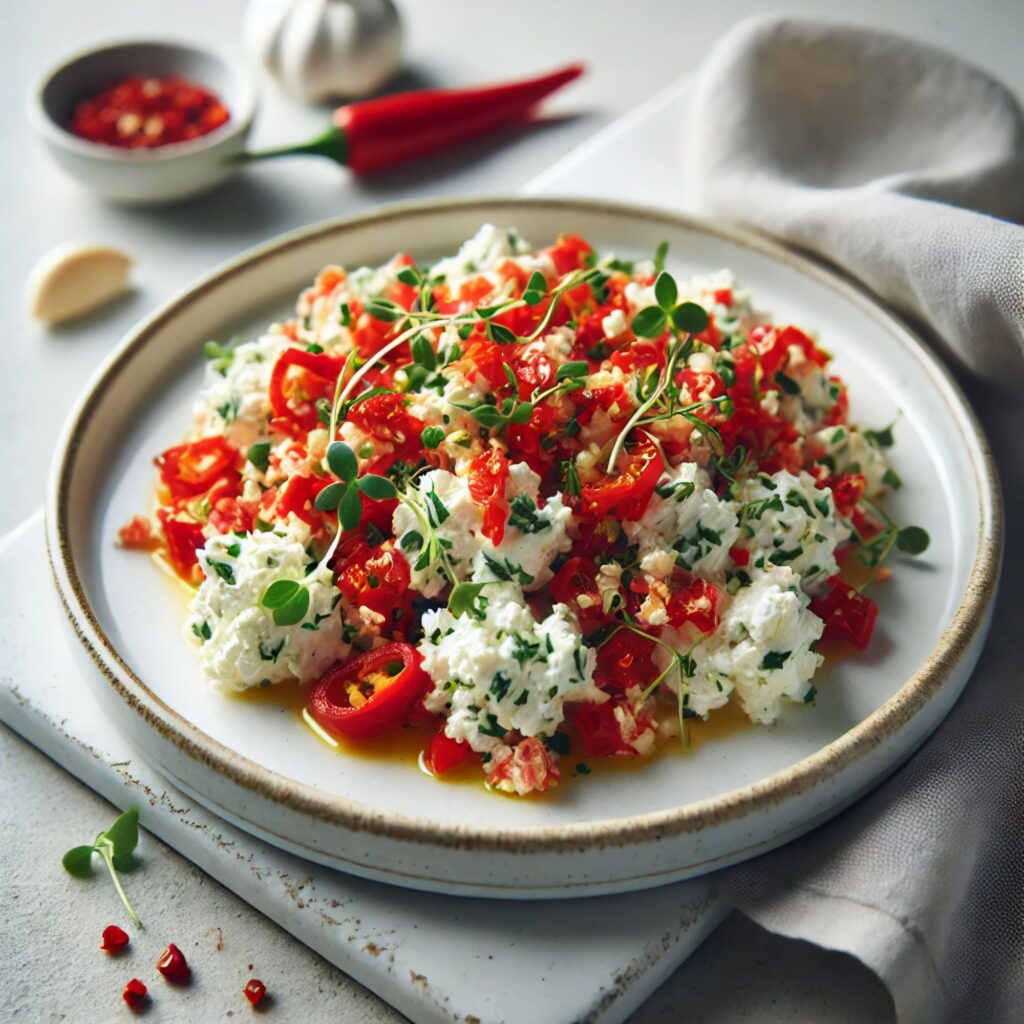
294	611
342	461
377	488
786	383
78	861
521	413
464	600
259	454
350	508
327	500
659	257
913	540
650	322
882	438
408	275
774	659
666	291
487	415
385	310
690	318
577	368
124	833
501	334
279	593
423	352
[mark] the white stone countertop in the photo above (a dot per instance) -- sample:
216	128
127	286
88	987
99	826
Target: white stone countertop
47	972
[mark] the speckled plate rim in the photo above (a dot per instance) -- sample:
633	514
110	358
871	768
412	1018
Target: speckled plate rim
967	624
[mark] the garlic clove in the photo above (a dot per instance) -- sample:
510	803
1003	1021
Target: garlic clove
74	279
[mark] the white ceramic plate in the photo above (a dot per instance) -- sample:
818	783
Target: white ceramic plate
676	816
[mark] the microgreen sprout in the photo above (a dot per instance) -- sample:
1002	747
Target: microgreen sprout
116	846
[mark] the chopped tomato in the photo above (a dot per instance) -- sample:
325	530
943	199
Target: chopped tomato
298	380
848	615
609	729
370	694
138	533
484	358
847	490
529	768
386	419
298	495
534	371
189	470
575	585
488	474
443	753
696	603
625	660
184	539
626	493
375	578
570	252
529	442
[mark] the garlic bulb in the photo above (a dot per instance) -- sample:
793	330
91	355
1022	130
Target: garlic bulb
321	49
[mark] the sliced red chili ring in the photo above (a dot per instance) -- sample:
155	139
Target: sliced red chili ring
372	693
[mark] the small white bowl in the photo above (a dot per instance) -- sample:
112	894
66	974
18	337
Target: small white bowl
143	177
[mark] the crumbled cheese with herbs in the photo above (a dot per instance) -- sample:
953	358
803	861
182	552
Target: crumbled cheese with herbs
240	646
534	535
788	520
502	670
687	523
852	452
761	650
233	400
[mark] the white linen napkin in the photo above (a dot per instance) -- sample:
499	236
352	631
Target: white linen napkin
895	162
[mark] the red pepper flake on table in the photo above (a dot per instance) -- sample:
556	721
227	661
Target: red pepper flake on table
173	965
255	991
134	993
144	112
114	939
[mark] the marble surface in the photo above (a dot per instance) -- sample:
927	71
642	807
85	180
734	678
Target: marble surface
741	973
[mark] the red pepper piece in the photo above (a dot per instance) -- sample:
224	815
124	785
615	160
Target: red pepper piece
114	939
488	474
134	993
255	991
173	965
379	133
443	753
370	694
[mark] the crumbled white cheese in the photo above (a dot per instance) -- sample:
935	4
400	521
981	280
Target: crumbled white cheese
687	522
788	520
505	671
762	648
526	550
482	253
852	452
614	324
239	644
233	400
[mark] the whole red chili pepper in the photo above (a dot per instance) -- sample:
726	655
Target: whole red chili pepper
379	133
173	965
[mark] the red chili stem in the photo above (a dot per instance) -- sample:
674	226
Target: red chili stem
376	134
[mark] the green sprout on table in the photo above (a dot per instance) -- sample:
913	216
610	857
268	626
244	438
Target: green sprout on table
116	846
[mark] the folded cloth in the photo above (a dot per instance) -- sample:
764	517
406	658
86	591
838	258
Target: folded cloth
897	162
